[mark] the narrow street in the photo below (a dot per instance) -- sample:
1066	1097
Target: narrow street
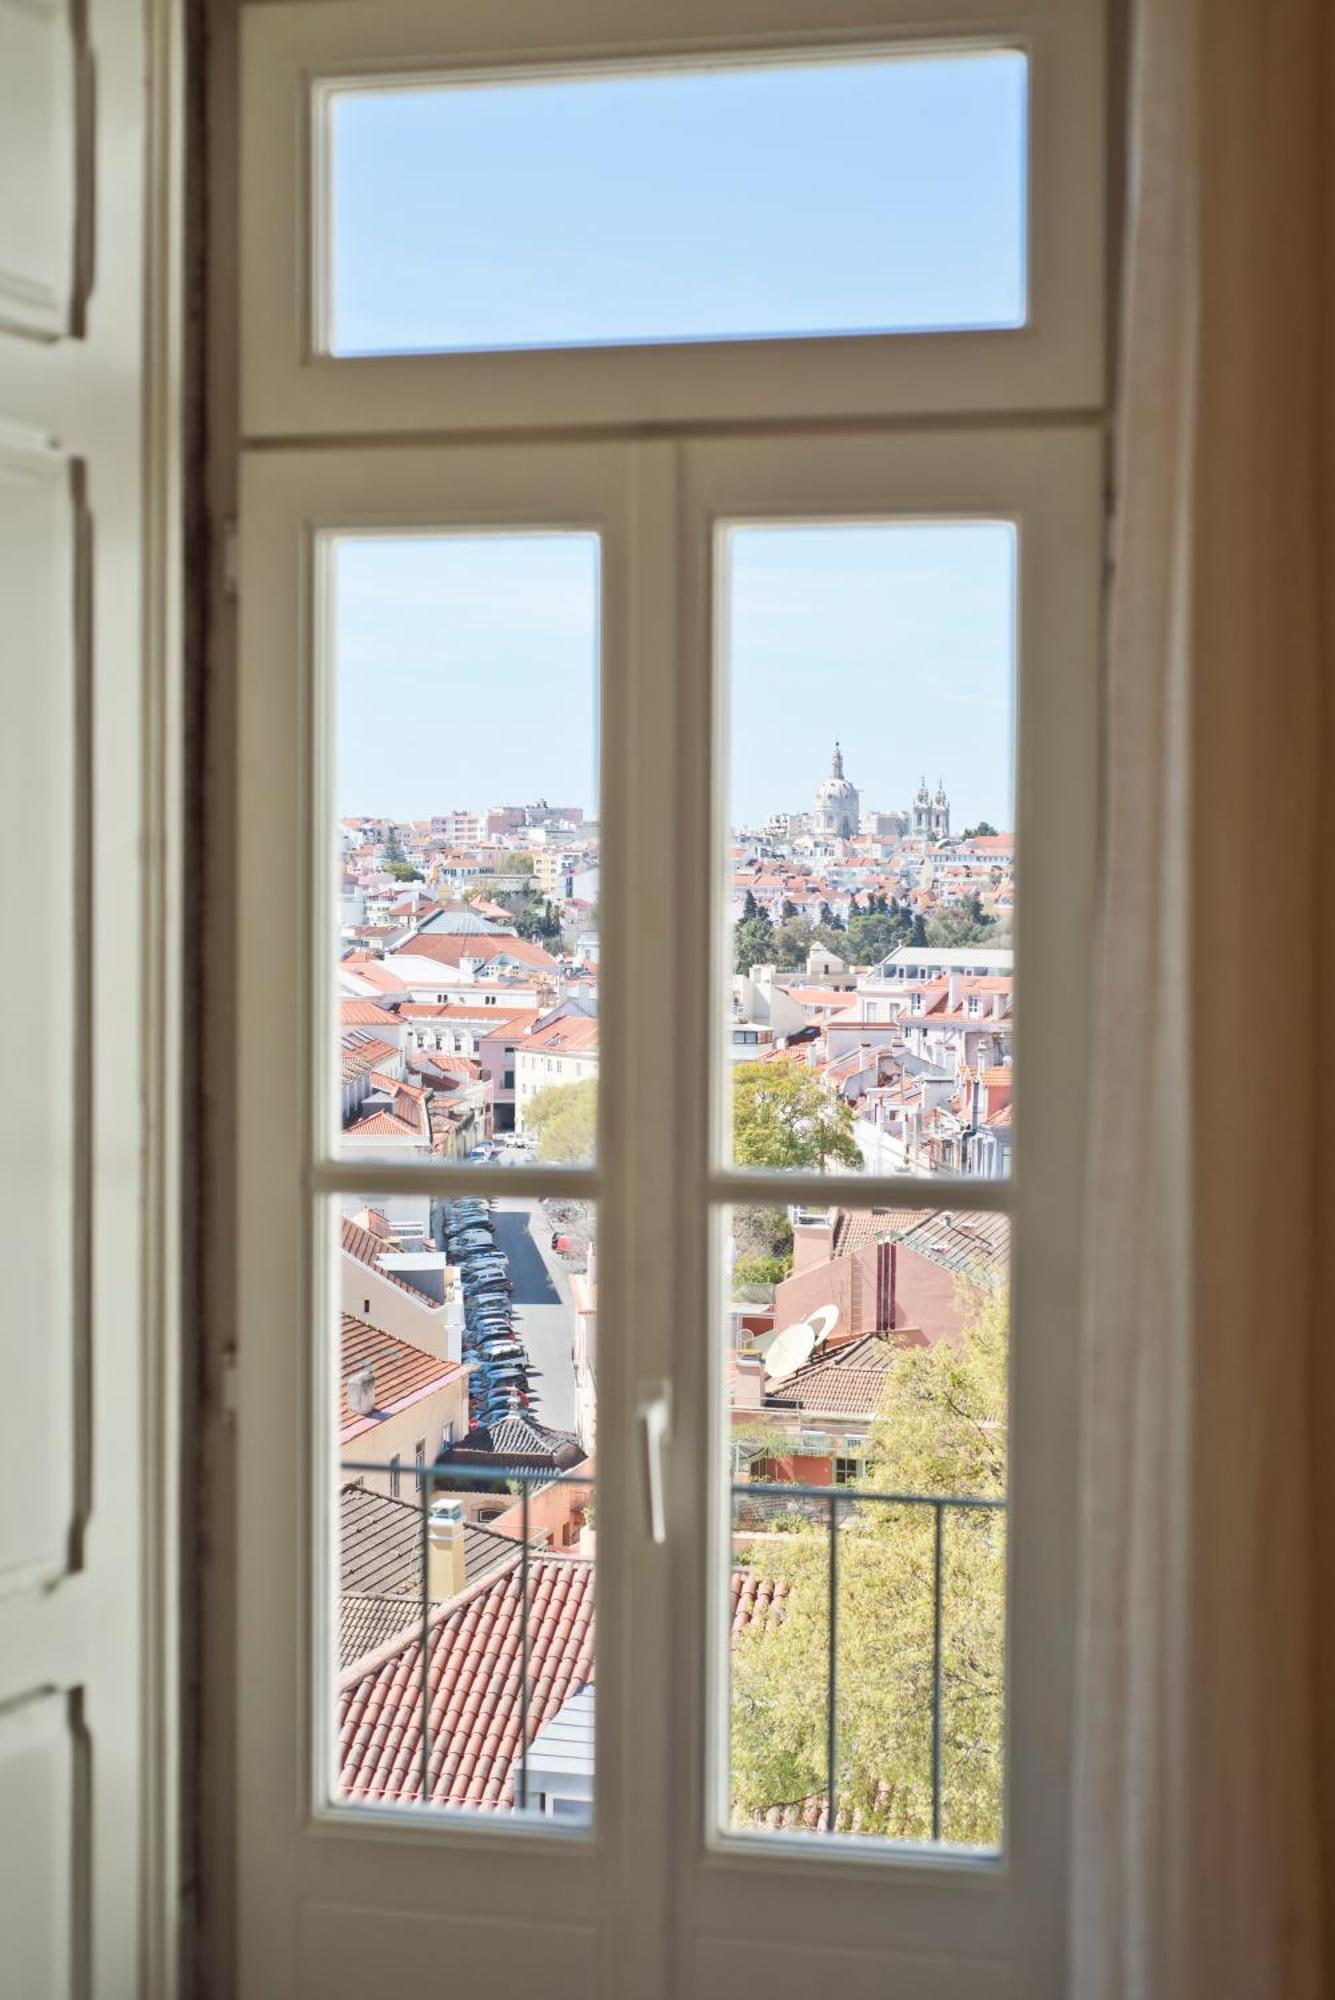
542	1296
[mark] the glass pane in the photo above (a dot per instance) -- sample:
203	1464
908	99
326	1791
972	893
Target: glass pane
463	1377
869	1014
865	1377
466	671
673	204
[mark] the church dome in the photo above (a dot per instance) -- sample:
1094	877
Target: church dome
837	803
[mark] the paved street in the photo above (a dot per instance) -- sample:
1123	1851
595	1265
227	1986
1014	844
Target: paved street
542	1295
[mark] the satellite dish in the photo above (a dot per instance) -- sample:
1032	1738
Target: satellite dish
824	1320
788	1350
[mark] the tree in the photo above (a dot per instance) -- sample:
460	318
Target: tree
393	848
941	1430
564	1121
763	1232
872	937
515	864
831	937
918	931
789	944
760	1273
539	921
954	929
789	910
829	919
403	871
783	1116
754	938
984	826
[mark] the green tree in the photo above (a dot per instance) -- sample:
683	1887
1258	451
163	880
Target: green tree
539	921
831	937
941	1431
790	943
392	850
763	1232
515	864
783	1116
403	871
873	936
754	938
918	931
564	1121
984	826
954	929
760	1272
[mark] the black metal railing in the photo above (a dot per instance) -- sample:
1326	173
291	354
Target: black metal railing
446	1476
812	1501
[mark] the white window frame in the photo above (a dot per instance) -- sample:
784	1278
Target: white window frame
335	1898
293	49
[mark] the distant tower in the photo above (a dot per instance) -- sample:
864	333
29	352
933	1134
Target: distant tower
922	812
838	807
940	813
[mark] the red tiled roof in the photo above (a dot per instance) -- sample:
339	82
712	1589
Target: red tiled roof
473	1682
383	1125
365	1014
449	947
570	1035
846	1381
403	1374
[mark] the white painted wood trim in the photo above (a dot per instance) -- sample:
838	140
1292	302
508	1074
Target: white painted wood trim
812	1897
291	389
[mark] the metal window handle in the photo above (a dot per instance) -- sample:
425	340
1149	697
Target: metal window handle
656	1422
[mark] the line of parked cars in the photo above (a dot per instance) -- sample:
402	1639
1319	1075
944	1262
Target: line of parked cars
503	1376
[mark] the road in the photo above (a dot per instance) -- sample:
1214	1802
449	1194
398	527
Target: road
542	1295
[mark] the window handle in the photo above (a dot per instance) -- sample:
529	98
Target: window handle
656	1422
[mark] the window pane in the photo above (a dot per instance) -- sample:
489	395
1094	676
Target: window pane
464	1376
466	787
674	204
869	907
865	1385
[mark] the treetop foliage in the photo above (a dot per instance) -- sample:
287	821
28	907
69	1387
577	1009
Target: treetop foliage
941	1430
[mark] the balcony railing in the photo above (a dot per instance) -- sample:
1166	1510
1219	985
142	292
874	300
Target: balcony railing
827	1501
831	1505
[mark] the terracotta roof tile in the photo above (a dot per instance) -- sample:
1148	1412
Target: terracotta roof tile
403	1374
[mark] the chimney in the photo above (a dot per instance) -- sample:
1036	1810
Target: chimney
361	1391
953	986
445	1547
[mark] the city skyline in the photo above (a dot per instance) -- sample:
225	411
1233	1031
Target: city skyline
448	646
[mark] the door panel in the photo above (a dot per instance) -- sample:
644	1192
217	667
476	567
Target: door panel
76	1757
41	1172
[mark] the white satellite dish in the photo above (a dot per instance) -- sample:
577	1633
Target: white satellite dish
788	1350
824	1320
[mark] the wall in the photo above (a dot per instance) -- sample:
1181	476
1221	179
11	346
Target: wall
395	1310
399	1434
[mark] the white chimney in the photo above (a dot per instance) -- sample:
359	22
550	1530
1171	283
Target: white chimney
445	1547
361	1391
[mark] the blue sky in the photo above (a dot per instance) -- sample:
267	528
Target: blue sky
467	667
673	206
